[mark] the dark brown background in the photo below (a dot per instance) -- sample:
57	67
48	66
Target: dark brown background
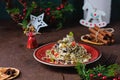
13	51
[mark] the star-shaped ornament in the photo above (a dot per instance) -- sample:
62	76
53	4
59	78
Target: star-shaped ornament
37	22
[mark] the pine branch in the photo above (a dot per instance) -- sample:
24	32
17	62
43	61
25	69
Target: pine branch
108	71
22	3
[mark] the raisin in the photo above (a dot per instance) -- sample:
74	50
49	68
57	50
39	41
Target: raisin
10	72
87	37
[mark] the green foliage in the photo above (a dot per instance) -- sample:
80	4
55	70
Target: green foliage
82	71
108	71
60	15
112	69
99	69
57	14
14	11
46	4
29	10
69	8
59	26
54	14
24	23
71	34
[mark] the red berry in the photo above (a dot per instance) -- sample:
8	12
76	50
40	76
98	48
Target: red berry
25	4
58	8
48	9
91	75
22	17
104	77
115	79
48	13
53	17
99	74
61	6
24	10
118	78
24	14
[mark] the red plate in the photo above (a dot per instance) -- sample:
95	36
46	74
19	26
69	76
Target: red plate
39	53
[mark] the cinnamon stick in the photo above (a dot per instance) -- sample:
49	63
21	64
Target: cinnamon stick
103	32
99	39
92	30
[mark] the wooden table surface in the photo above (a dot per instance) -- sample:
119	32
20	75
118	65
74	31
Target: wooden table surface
13	51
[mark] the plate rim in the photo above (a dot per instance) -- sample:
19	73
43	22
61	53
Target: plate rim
61	65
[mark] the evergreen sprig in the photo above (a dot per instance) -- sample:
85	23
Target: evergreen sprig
29	10
14	10
53	16
108	71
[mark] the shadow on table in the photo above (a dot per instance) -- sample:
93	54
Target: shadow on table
71	70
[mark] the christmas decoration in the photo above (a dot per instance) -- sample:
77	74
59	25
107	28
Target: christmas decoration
100	72
54	14
94	16
99	36
32	43
37	22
